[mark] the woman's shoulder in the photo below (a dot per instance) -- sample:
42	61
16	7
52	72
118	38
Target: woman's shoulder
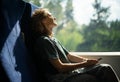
47	39
43	39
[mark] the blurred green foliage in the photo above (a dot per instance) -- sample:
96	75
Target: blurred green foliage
99	35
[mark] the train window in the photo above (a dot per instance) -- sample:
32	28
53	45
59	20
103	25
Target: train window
87	25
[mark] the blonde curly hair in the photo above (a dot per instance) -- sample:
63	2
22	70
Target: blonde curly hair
37	21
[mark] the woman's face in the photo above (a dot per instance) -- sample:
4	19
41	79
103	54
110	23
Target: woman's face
50	21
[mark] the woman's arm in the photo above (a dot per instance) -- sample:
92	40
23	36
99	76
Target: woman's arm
66	67
76	58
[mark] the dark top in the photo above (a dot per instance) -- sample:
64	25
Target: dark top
46	48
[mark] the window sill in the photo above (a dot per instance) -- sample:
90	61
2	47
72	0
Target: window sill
96	53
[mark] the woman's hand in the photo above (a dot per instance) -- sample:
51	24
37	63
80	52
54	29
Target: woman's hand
90	62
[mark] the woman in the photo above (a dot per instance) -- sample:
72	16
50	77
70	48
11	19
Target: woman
56	63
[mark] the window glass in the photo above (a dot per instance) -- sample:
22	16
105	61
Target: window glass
86	25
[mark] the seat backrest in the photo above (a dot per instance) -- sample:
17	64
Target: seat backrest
15	65
25	20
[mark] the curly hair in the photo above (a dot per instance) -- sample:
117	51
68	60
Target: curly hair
37	21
